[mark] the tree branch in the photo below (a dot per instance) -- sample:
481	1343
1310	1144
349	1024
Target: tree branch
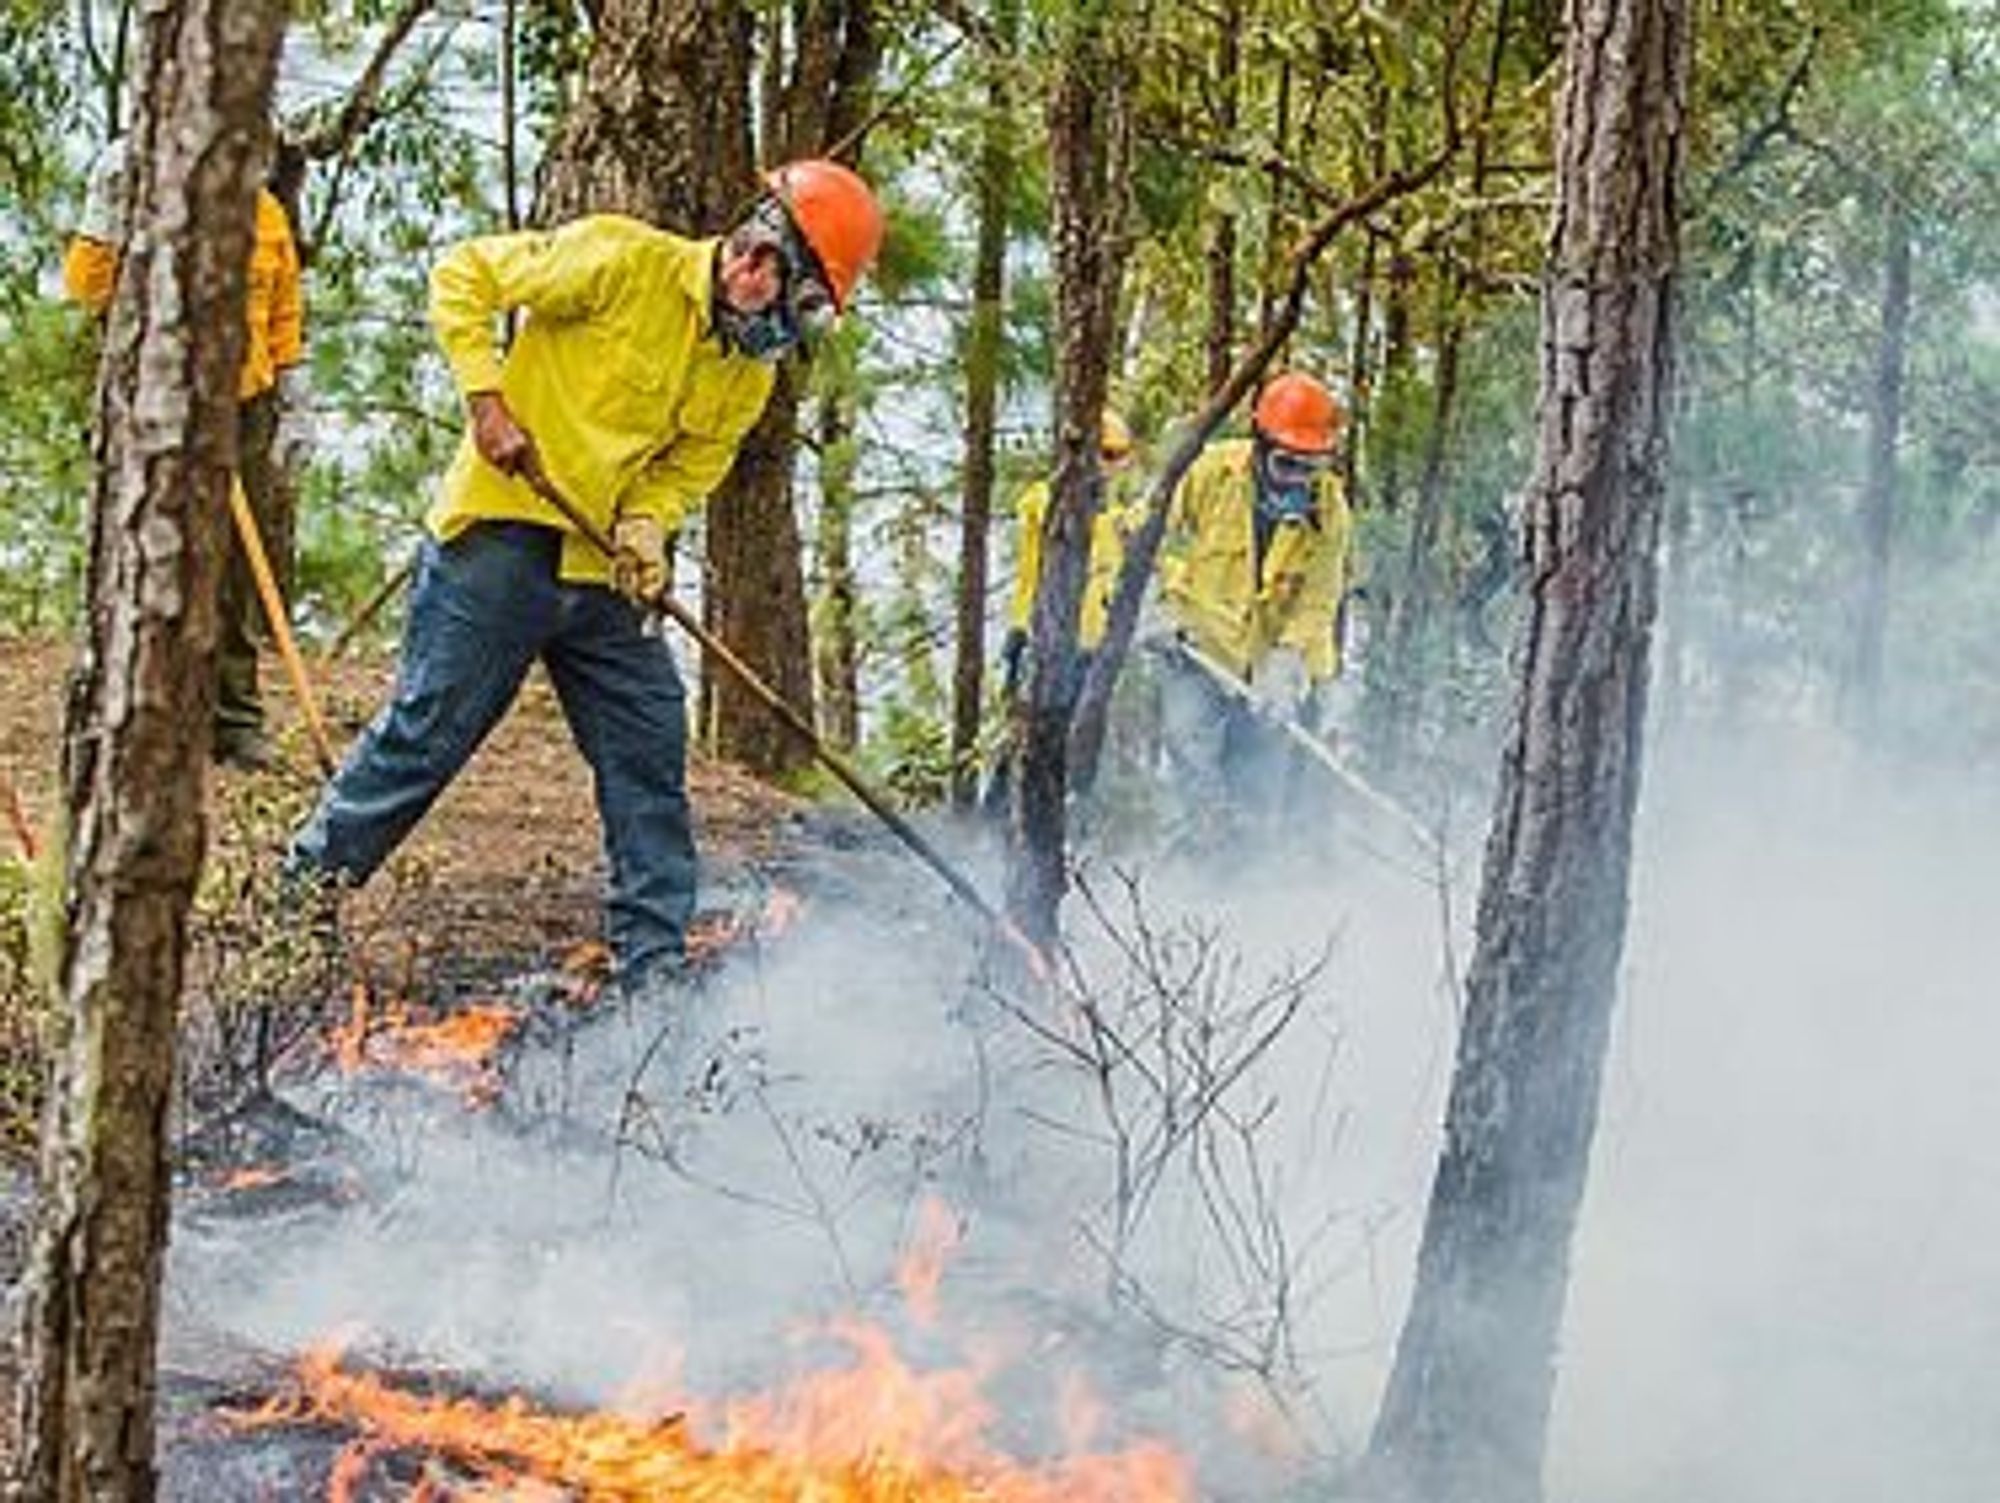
336	135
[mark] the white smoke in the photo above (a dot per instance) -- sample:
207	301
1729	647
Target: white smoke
1781	1288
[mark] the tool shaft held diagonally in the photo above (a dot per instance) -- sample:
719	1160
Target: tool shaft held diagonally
281	625
1317	750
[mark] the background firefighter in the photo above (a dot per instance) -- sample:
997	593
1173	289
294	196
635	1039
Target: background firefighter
644	359
275	345
1115	452
1254	568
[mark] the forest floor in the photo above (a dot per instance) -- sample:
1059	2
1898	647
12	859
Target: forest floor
502	876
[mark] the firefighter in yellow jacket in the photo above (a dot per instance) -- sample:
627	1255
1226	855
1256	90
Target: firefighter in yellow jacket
274	344
1253	573
1107	551
643	360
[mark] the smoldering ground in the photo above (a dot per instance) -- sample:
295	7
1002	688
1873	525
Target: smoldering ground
1781	1287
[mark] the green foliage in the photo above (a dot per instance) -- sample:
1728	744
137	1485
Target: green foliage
23	1015
46	371
913	753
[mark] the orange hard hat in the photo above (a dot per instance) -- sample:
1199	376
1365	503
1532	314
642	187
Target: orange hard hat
1296	412
836	213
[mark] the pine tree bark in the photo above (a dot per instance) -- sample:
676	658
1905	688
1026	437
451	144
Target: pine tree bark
836	649
135	749
661	130
1465	1413
1219	345
982	407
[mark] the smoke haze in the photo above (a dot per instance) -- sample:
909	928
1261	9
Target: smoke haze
1782	1287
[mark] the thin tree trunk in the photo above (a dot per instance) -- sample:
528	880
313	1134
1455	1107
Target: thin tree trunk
1089	149
1220	344
1878	500
510	156
756	598
1360	374
1271	283
135	746
836	653
1465	1414
982	407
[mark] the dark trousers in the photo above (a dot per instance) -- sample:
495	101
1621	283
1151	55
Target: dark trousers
483	609
239	709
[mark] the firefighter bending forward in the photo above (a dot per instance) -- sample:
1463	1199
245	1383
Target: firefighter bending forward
643	361
1255	566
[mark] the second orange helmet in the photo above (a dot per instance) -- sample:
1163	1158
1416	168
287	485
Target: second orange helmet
1297	412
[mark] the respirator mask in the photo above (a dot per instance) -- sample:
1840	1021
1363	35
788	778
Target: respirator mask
1287	482
804	308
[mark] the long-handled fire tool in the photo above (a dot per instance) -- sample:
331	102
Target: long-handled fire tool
793	721
1317	750
281	625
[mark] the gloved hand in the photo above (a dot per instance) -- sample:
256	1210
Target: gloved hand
1280	683
639	558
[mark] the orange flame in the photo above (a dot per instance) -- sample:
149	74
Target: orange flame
458	1050
873	1432
250	1177
936	1238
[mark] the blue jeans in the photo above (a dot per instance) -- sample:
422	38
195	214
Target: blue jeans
483	608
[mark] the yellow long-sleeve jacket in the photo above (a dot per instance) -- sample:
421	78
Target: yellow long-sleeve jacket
1107	555
1209	578
634	406
274	303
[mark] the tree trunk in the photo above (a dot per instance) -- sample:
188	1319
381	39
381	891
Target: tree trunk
1360	376
661	130
1089	149
756	598
836	653
1878	500
1220	344
982	407
135	746
1465	1413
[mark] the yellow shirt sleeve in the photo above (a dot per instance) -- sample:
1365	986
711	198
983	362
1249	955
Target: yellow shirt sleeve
558	274
1029	512
288	308
90	272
